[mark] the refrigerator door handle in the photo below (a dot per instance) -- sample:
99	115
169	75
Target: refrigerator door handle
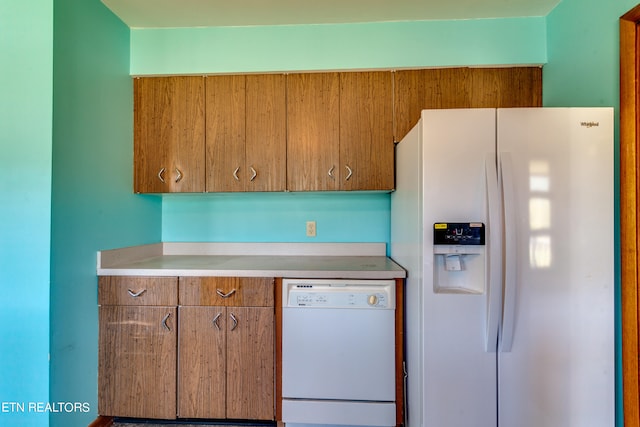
494	255
510	249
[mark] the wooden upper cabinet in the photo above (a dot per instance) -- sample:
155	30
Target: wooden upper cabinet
416	90
266	132
302	131
340	131
313	132
366	131
225	135
245	133
169	134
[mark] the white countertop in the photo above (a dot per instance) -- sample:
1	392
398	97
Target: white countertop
308	260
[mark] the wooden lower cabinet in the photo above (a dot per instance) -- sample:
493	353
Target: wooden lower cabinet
226	363
201	371
200	358
137	359
251	364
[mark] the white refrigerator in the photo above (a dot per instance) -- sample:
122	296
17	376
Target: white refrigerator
504	220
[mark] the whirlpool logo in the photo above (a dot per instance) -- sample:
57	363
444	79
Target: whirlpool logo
589	124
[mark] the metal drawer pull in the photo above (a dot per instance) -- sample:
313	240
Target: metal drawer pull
349	172
161	175
235	173
215	321
234	320
253	173
227	295
330	172
136	294
178	175
164	321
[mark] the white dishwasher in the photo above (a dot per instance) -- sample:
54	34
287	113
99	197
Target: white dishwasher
338	352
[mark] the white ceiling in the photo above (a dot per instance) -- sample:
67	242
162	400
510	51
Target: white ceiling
212	13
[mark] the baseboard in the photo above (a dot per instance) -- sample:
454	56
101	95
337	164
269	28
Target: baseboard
102	422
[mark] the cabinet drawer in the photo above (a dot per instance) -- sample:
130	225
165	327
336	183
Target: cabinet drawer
227	291
128	290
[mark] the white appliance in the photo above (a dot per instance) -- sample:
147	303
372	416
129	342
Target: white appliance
338	352
504	220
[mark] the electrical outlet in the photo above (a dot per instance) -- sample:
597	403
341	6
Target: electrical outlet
311	229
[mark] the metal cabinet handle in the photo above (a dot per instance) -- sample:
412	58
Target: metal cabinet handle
161	175
349	172
178	175
234	320
235	173
164	322
227	295
330	172
253	173
136	294
215	321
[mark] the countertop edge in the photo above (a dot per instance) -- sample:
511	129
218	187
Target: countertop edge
319	274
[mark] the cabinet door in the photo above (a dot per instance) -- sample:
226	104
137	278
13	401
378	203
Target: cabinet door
168	134
137	361
366	131
250	363
225	135
202	362
313	133
266	133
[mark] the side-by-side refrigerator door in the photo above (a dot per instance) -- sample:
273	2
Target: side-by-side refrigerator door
459	357
556	361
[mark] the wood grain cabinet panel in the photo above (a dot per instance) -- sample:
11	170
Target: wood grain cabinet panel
225	134
366	131
227	291
416	90
340	131
266	133
251	363
313	132
137	361
226	365
202	362
169	134
246	133
129	290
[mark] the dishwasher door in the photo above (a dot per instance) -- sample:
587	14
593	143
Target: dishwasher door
338	350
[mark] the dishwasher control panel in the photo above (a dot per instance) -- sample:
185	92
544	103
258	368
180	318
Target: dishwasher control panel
322	293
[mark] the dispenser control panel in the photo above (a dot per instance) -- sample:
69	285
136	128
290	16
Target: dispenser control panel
458	233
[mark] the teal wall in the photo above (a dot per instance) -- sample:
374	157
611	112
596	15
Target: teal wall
93	207
340	46
26	60
276	217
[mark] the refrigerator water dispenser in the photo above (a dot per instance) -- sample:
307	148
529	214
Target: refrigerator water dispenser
459	257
